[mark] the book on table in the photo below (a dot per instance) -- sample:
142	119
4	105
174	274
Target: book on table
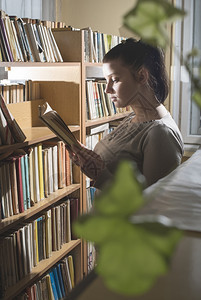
56	124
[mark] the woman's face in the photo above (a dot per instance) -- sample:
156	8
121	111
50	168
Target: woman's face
121	84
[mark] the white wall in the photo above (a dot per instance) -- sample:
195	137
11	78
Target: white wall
102	15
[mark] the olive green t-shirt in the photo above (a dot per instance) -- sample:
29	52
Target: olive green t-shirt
155	146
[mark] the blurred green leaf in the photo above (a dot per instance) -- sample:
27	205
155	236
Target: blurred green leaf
197	97
117	199
130	256
148	19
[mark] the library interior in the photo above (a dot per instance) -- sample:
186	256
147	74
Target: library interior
100	159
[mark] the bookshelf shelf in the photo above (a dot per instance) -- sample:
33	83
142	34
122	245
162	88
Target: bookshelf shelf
41	269
16	220
34	135
90	123
38	64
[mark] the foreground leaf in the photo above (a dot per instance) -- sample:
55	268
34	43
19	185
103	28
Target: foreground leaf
130	256
148	19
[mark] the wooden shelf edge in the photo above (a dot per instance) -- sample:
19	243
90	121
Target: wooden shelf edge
92	64
38	64
40	270
34	135
98	121
11	222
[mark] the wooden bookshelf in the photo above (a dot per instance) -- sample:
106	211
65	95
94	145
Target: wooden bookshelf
67	102
14	221
63	86
43	266
99	121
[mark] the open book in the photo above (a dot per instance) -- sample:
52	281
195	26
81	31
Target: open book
56	124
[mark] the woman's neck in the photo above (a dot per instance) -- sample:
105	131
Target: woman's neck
146	108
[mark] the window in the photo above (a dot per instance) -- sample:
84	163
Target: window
187	36
34	9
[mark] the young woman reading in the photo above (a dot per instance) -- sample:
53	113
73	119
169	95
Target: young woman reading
136	76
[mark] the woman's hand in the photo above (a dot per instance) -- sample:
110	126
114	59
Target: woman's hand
90	163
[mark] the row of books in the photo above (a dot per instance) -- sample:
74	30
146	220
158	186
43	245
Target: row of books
10	132
27	178
57	284
26	40
22	250
16	91
99	103
97	44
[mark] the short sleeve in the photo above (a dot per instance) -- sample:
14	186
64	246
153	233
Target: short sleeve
162	153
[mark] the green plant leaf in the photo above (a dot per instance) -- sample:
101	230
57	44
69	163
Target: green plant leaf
117	199
148	19
197	97
130	256
131	264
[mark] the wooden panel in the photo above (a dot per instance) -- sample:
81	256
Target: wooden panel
26	113
64	98
70	44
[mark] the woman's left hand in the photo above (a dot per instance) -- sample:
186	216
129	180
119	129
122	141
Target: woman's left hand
90	163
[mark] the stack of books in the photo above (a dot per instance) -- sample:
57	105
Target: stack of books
56	284
99	103
27	178
22	250
27	40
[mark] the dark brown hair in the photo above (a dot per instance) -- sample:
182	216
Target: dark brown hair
136	54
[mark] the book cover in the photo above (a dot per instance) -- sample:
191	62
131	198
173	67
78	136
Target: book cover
7	187
24	253
19	255
53	285
45	171
68	222
40	238
48	232
58	226
44	286
56	124
32	41
14	245
2	201
19	184
40	171
49	286
73	214
6	40
71	270
11	42
54	237
55	167
66	273
25	40
31	176
23	181
36	175
26	164
61	162
68	168
35	243
19	37
28	248
57	283
61	280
